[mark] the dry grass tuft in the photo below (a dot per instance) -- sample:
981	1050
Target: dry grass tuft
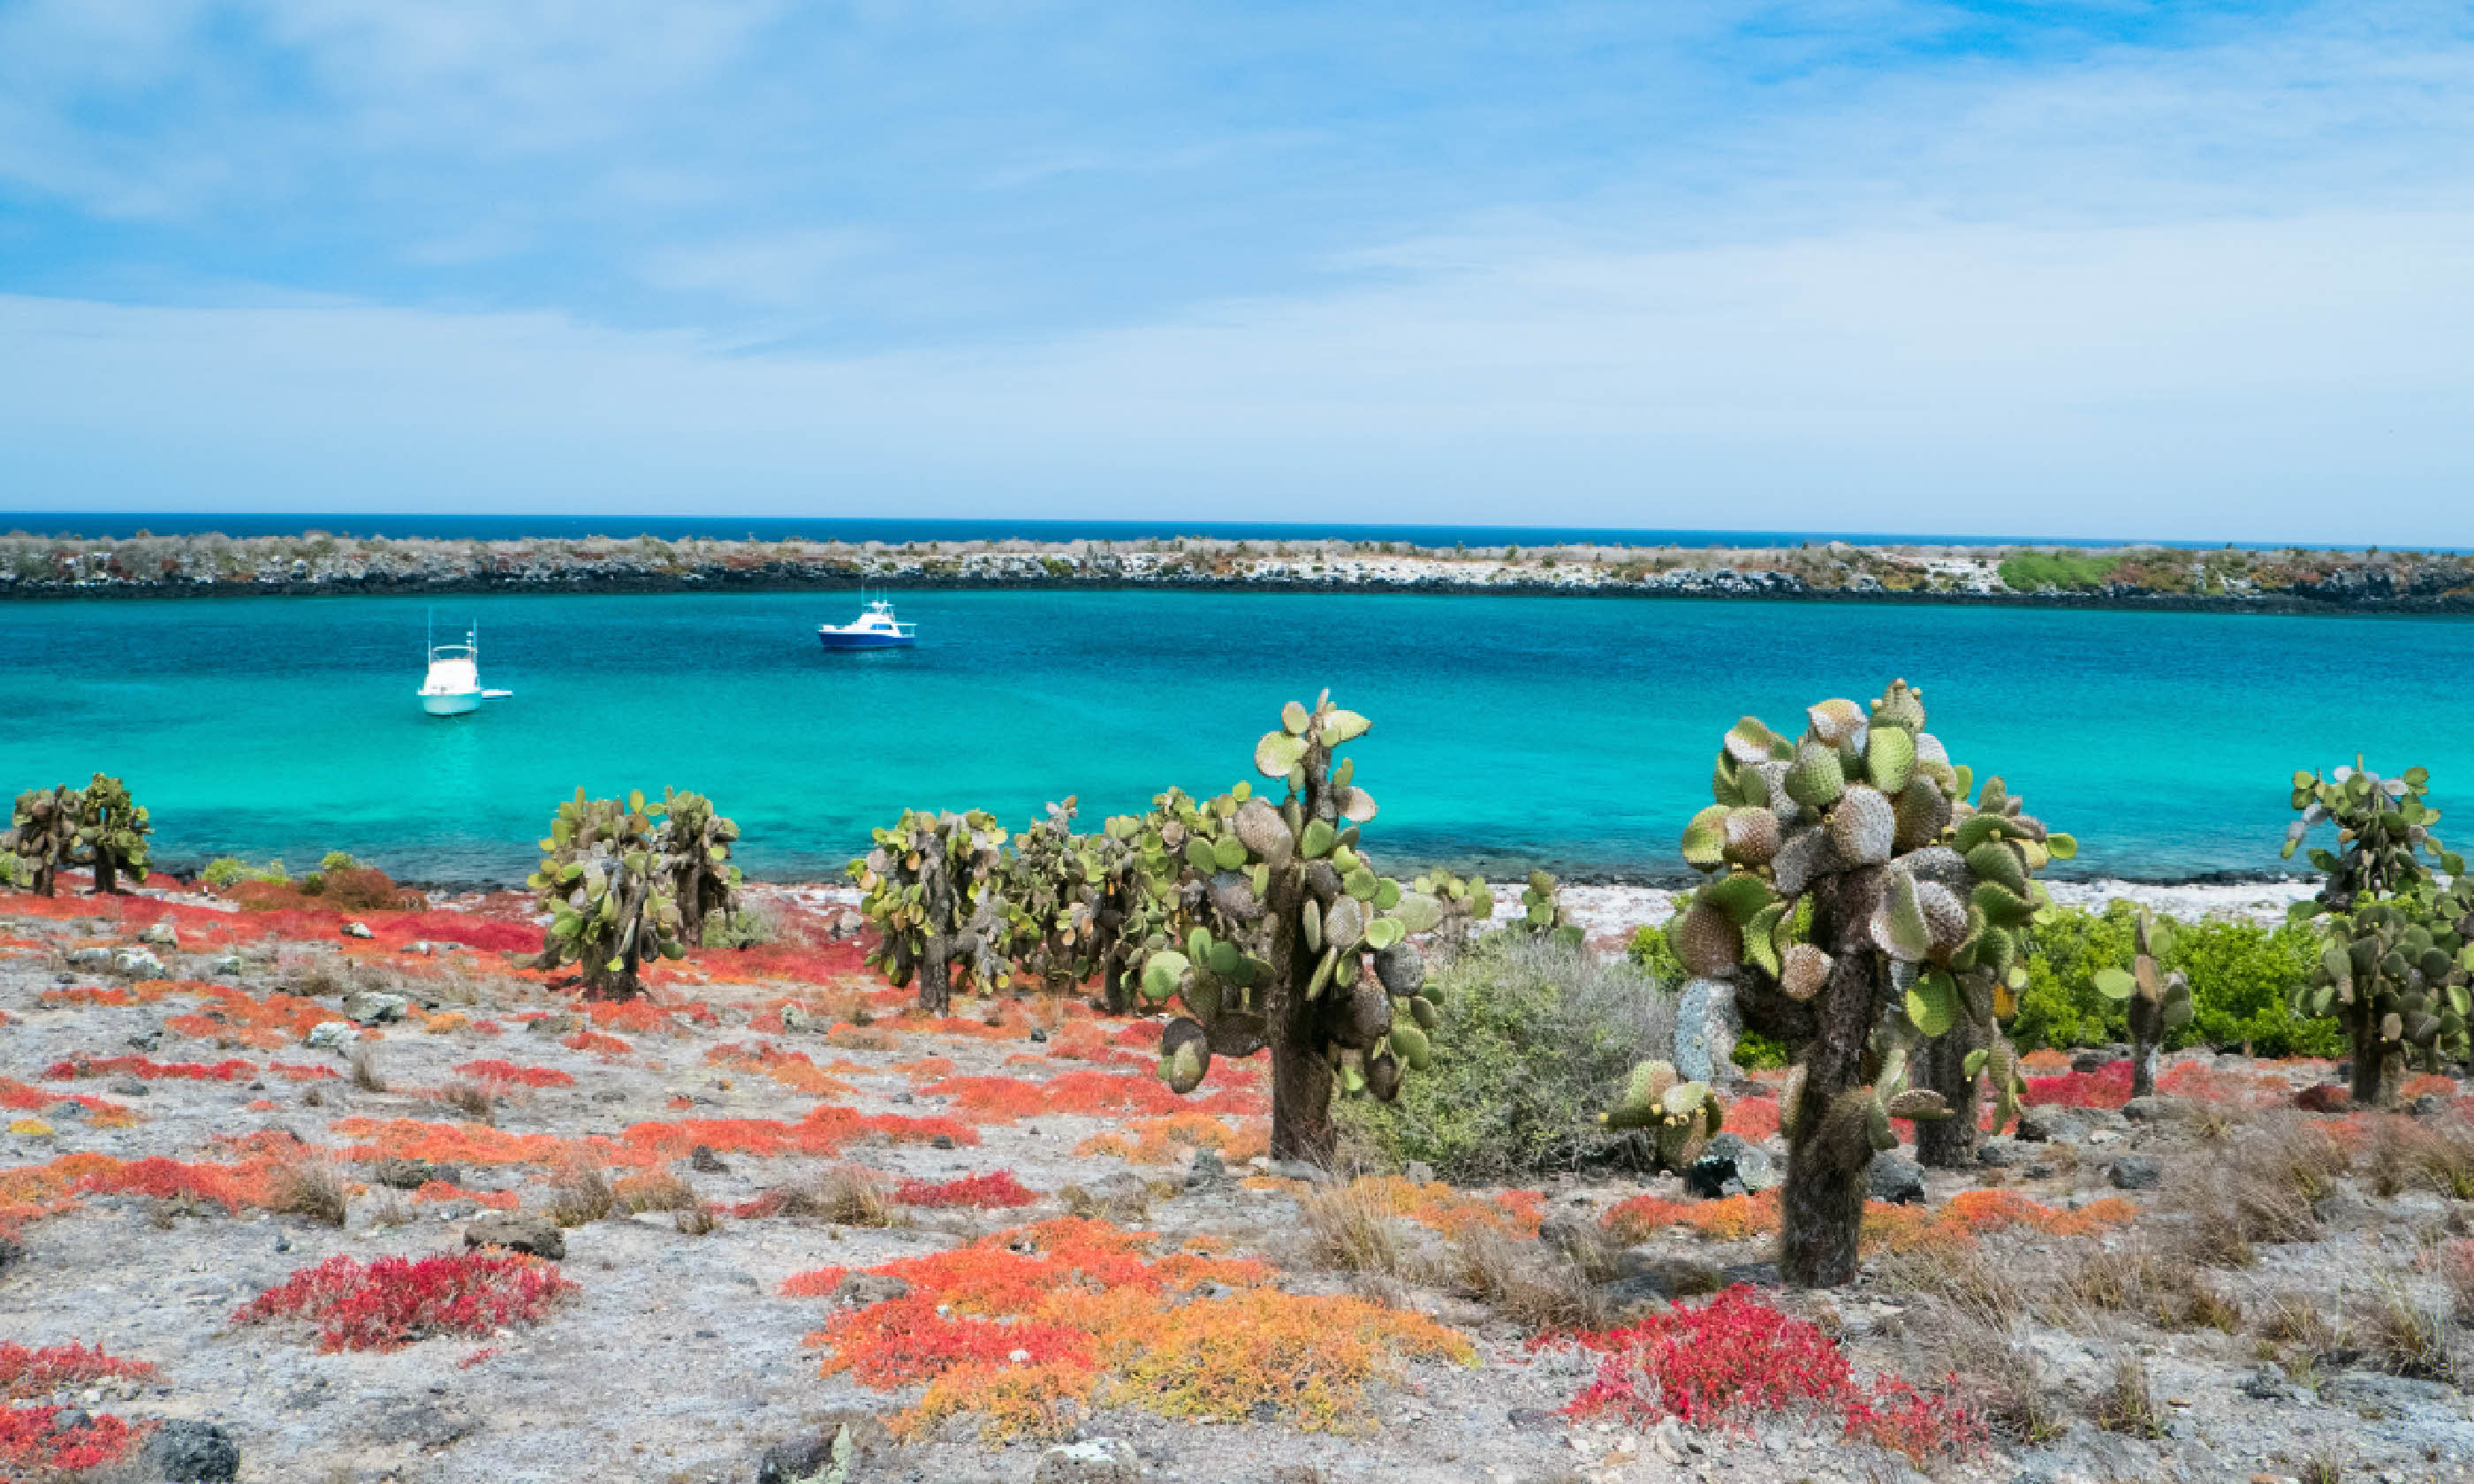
311	1188
2412	1154
2157	1283
2129	1407
1348	1229
580	1193
1538	1289
845	1195
2404	1337
2259	1188
469	1098
2323	1467
2301	1334
365	1068
1124	1203
655	1191
698	1220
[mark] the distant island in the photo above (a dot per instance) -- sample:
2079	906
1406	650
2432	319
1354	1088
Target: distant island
2277	579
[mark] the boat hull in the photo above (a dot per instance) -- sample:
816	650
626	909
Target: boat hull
450	703
865	641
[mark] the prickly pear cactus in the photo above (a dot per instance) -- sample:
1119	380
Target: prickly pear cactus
1464	902
2155	1001
42	835
607	887
935	890
2395	983
1068	898
695	848
1276	930
1860	909
1541	907
1679	1117
111	832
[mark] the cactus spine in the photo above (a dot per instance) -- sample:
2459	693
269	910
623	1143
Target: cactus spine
696	849
2392	981
1851	879
606	884
935	893
2156	1002
1275	930
42	834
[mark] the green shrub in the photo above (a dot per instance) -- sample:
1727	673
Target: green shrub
2239	973
226	872
1543	1035
2032	570
337	860
743	928
1655	956
1757	1052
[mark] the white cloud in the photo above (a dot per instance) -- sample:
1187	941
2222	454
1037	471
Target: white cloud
2152	381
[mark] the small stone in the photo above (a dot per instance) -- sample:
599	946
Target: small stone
1895	1179
229	964
1420	1172
2000	1154
162	935
11	1252
413	1174
1038	1035
1707	1027
1094	1461
704	1162
357	930
137	964
1206	1171
610	1095
2135	1172
329	1036
2266	1387
1299	1169
941	1141
2150	1110
858	1291
811	1455
128	1086
2051	1125
1753	1167
2092	1060
1672	1276
906	1097
187	1452
537	1235
369	1008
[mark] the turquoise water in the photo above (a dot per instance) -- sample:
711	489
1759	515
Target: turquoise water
1575	732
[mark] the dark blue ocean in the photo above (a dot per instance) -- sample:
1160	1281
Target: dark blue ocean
1576	733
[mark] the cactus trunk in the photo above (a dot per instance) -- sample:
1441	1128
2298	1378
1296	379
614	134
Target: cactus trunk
2144	1036
1822	1205
1951	1144
106	882
2379	1065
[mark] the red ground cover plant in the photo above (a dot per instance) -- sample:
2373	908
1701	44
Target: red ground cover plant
444	1191
2207	1083
146	1070
393	1302
2107	1086
1733	1360
488	1070
26	1372
446	1143
291	1072
596	1042
34	1444
983	1193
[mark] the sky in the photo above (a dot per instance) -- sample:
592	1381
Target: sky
2189	272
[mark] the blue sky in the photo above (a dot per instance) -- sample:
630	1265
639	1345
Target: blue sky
2190	271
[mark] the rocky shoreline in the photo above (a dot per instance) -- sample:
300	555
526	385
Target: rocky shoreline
2289	580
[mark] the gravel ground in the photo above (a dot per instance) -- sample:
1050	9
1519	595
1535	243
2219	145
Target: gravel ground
677	1361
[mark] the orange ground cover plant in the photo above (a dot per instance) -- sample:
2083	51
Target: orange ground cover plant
490	1070
1168	1137
792	1070
1023	1326
1973	1214
1729	1219
433	1190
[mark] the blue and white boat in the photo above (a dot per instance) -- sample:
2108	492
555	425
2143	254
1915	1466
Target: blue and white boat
452	687
874	628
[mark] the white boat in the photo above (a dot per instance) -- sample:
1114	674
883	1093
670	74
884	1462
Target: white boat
874	628
453	685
